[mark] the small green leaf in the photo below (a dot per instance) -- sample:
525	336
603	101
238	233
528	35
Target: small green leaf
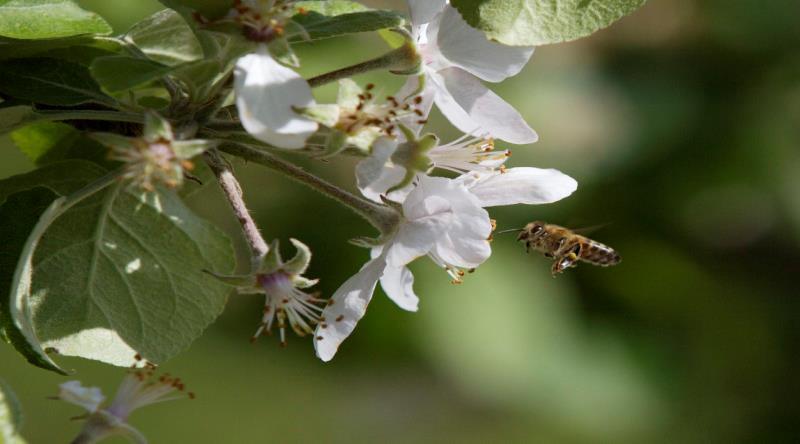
48	19
121	73
539	22
51	82
166	38
119	272
329	21
10	416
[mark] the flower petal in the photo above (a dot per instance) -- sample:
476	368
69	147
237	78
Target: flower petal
468	48
348	305
398	284
87	397
524	185
425	222
423	11
266	91
474	109
375	175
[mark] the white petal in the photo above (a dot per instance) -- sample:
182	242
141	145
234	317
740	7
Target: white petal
423	11
398	283
474	109
349	304
416	237
524	185
86	397
464	241
469	48
266	91
375	175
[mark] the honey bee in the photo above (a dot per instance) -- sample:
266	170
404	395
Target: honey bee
565	246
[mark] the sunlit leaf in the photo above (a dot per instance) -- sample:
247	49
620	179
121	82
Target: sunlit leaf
539	22
121	272
47	19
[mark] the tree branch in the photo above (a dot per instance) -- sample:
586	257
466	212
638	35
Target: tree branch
233	193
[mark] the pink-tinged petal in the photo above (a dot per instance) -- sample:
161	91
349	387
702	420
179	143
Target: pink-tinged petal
423	11
398	283
524	185
87	397
348	305
474	109
424	224
266	93
468	48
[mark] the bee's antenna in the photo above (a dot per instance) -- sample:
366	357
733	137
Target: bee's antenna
509	231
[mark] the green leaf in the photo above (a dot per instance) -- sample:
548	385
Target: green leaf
121	273
221	51
330	7
16	116
539	22
10	416
51	82
121	73
23	216
48	142
37	140
166	38
48	19
210	9
333	18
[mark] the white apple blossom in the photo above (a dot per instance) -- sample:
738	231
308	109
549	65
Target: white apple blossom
267	92
454	57
139	388
444	219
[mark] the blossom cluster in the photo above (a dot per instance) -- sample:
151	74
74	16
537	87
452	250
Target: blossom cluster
443	217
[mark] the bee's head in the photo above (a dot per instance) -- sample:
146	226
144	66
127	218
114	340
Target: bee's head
531	231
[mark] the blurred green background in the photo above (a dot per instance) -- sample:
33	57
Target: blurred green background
681	124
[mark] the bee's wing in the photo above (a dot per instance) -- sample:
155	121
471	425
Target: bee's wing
591	228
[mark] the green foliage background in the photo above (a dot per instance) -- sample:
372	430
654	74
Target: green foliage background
682	125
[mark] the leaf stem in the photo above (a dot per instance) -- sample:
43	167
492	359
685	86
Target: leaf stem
381	217
233	193
404	59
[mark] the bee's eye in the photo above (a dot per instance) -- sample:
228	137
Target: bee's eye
537	229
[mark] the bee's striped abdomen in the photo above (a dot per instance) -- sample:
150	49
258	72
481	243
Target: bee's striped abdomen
596	253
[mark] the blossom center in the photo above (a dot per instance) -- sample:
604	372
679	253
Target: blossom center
384	117
469	153
285	303
150	163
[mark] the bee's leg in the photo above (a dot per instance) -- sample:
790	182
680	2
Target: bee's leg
568	259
